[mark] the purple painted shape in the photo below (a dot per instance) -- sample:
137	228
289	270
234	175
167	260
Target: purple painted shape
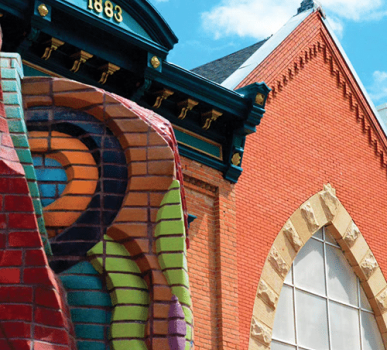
175	310
177	328
176	343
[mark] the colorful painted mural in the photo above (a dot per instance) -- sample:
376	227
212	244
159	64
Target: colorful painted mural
93	220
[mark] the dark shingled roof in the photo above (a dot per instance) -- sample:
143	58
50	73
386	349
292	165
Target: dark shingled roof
220	69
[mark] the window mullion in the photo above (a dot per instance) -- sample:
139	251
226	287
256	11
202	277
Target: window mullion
359	311
327	291
294	306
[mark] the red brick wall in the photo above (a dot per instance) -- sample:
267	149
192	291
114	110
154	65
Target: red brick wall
315	131
212	257
32	308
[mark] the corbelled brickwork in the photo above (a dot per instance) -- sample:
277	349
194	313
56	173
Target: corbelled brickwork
85	130
212	256
318	128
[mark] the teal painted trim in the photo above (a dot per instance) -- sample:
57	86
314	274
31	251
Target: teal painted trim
229	171
89	39
202	90
31	72
240	112
201	158
232	174
11	82
152	22
128	23
142	12
191	219
90	305
198	144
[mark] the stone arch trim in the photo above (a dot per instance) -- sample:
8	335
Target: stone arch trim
322	209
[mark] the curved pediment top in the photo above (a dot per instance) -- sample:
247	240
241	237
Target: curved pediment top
134	21
136	18
151	21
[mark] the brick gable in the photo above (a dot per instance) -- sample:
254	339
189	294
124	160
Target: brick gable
318	129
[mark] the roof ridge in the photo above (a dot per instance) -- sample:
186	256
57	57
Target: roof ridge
233	53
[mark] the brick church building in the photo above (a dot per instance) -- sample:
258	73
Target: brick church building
240	205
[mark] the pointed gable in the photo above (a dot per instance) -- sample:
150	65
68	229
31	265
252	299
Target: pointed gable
311	38
320	127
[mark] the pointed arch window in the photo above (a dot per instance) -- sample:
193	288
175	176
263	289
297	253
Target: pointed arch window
322	305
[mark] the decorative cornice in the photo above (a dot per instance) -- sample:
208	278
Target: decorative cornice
199	183
357	103
289	74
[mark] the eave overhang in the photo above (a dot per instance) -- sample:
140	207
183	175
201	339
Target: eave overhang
235	114
211	122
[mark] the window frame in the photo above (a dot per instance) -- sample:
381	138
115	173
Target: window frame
291	283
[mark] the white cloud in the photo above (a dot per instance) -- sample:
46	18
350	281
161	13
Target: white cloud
253	18
337	25
356	10
378	89
261	18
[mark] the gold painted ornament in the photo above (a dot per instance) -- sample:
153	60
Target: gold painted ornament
43	10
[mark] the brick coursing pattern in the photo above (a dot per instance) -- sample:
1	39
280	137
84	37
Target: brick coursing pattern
11	71
325	210
318	128
153	163
212	256
33	311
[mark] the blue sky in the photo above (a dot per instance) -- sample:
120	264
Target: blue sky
210	29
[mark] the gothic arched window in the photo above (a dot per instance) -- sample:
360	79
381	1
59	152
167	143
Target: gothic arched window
322	305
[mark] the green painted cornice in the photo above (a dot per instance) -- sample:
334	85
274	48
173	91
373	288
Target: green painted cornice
211	122
240	114
74	14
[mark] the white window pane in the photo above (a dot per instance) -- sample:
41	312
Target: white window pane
309	267
311	313
284	319
279	346
342	283
289	276
344	327
364	300
371	337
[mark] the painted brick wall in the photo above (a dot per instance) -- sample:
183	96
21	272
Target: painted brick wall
317	129
33	312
